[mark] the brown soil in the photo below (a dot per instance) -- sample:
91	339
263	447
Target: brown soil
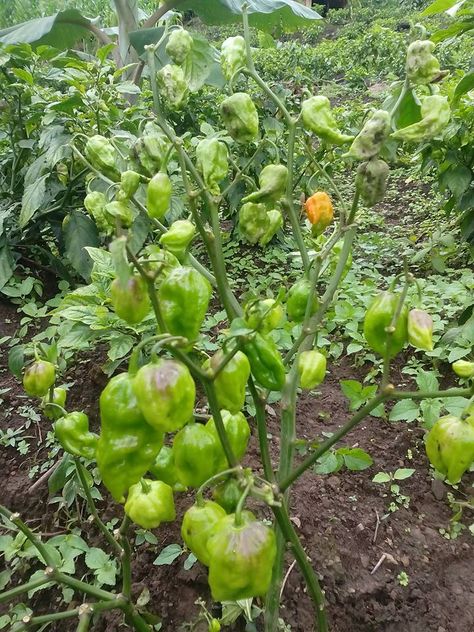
336	517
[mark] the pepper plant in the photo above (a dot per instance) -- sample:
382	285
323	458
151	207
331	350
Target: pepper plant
152	443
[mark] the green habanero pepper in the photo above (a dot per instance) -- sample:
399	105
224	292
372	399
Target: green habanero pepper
227	494
95	203
158	195
72	432
164	469
435	115
230	383
238	433
297	300
318	118
195	454
420	330
311	368
240	117
265	362
275	222
129	183
150	151
272	180
422	67
102	155
212	163
378	317
165	393
178	237
38	378
233	55
159	261
371	181
450	446
59	399
127	445
179	45
264	315
463	368
198	525
120	210
372	136
253	221
149	503
184	298
241	558
172	86
130	301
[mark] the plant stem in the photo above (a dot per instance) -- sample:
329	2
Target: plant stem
84	621
126	558
18	522
81	586
19	590
260	417
221	431
451	392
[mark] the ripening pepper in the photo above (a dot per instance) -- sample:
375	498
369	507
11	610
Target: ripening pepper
72	432
151	149
371	181
165	393
129	183
238	433
230	382
240	117
420	329
130	301
378	317
158	195
159	260
275	223
422	67
241	558
59	399
38	378
253	221
317	117
272	181
95	203
266	363
149	503
178	237
164	469
311	368
372	136
198	525
297	300
450	446
196	455
179	45
463	368
127	445
227	494
319	211
120	210
184	298
102	155
212	162
233	55
172	86
264	315
435	115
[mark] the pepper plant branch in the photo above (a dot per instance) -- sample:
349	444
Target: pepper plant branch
221	431
260	417
160	12
19	524
7	595
126	558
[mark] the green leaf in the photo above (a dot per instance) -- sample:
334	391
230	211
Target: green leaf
79	232
33	197
189	561
16	360
403	473
465	85
427	381
197	65
438	6
355	459
61	30
120	346
457	179
381	477
6	262
59	476
405	410
5	578
329	463
168	555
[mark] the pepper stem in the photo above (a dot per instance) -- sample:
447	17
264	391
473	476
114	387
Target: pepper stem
240	505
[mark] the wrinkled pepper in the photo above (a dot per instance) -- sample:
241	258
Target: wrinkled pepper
253	221
38	378
131	302
240	117
422	67
72	432
230	382
129	183
158	195
420	330
372	136
297	300
238	433
378	317
195	454
435	115
95	203
198	525
59	399
275	223
233	55
178	237
450	446
272	182
172	86
212	162
179	45
102	155
264	315
164	469
120	210
149	503
317	117
371	181
319	211
265	362
311	368
227	494
150	151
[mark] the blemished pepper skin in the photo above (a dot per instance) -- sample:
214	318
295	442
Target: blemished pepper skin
422	67
450	446
59	399
371	181
178	237
158	195
130	301
463	368
240	117
238	433
72	432
129	183
95	203
253	221
297	299
38	378
119	210
372	136
172	86
241	558
420	329
184	298
265	362
264	315
149	503
233	55
179	45
198	525
272	181
102	155
127	445
227	494
435	115
311	368
164	469
212	162
317	117
379	315
230	382
195	454
275	223
165	393
319	211
150	150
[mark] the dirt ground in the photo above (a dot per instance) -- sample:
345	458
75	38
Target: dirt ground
340	518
